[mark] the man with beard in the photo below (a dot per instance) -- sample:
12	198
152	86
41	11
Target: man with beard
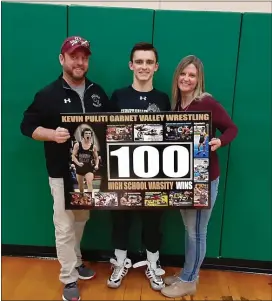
72	92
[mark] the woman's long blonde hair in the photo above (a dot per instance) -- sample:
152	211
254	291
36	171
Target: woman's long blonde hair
200	87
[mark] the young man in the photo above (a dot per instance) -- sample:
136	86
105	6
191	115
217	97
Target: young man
141	96
71	93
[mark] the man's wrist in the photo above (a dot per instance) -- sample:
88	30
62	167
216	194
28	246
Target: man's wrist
52	135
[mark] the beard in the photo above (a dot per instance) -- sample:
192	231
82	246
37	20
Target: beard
74	75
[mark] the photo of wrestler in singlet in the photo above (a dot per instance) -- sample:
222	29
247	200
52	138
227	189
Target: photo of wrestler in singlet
201	141
85	159
202	137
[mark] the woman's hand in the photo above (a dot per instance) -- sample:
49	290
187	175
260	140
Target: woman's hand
215	143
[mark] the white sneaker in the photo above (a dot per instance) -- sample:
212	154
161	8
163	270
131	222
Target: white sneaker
153	273
119	272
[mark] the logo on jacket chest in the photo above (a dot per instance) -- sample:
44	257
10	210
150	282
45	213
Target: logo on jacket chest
96	100
67	100
152	107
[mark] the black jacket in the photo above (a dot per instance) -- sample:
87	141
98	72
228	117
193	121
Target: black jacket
45	111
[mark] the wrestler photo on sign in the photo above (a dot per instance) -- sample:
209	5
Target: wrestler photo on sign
148	132
106	199
201	171
131	199
157	199
116	133
85	165
181	198
201	140
84	199
178	132
201	195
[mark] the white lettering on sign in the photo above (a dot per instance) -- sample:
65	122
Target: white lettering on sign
146	161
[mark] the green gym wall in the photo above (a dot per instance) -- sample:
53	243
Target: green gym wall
236	51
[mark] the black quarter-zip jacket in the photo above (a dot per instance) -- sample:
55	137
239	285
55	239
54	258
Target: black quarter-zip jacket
56	98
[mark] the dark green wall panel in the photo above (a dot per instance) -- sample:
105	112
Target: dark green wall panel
247	231
214	38
31	39
112	33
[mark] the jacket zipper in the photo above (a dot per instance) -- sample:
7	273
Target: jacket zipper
81	100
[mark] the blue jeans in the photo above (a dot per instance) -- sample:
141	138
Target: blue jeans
196	222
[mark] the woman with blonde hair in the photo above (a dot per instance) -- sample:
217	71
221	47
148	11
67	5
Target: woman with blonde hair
188	94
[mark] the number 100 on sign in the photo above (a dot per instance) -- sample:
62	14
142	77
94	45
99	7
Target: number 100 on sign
158	161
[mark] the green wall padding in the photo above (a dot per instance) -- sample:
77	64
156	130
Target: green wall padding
31	39
214	38
112	33
247	231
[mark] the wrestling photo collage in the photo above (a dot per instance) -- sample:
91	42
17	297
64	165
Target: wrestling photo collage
86	163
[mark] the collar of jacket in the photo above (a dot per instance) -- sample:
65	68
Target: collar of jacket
64	84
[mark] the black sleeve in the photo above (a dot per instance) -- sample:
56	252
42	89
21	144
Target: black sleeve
33	116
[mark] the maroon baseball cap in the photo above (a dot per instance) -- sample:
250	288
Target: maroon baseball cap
72	43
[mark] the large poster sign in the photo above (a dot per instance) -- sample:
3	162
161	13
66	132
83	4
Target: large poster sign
138	161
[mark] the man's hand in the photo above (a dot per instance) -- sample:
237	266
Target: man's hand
215	144
61	135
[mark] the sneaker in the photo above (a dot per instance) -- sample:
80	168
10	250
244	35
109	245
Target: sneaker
85	273
179	289
71	292
169	280
119	272
153	274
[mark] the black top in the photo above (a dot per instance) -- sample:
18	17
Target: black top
58	97
129	100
